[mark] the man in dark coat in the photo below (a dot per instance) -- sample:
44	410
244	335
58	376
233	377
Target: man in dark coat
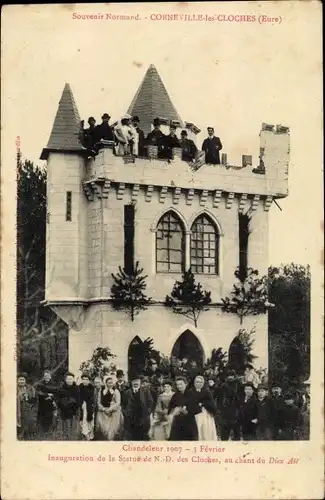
121	384
291	418
157	138
69	404
46	391
141	141
188	147
171	141
229	409
264	414
248	412
138	405
211	146
104	130
277	411
90	134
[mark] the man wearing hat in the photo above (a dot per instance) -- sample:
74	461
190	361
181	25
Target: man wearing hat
188	147
230	407
138	406
277	409
248	412
291	418
157	138
172	141
211	146
104	130
264	414
90	133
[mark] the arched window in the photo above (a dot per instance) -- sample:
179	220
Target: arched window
204	246
170	244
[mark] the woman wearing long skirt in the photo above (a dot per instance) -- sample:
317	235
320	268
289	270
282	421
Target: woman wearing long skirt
109	421
182	411
161	423
205	410
86	390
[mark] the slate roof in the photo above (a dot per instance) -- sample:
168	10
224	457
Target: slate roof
152	100
66	126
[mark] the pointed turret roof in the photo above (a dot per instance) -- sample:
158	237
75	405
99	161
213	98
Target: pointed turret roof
152	100
66	127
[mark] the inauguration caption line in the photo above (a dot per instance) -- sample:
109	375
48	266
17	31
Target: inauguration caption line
174	454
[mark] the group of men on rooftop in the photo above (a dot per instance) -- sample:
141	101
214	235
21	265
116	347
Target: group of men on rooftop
130	139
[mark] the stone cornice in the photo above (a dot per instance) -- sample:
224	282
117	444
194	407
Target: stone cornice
103	188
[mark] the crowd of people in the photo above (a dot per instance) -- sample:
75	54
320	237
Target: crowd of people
185	406
129	139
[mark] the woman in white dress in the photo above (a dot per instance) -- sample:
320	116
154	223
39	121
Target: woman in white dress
109	420
205	410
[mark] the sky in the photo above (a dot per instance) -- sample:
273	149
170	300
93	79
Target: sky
233	76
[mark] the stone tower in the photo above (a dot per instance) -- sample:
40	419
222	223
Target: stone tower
89	199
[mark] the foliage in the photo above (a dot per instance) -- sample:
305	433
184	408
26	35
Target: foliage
165	365
188	298
248	297
289	323
100	363
41	335
263	375
217	361
127	291
141	352
241	351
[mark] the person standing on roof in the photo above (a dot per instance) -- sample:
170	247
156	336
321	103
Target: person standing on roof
211	146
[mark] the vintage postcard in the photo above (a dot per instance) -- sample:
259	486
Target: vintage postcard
162	254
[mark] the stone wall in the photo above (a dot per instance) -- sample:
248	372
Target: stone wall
108	328
66	252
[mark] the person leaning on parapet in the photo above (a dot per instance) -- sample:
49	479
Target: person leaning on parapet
157	138
104	130
124	136
171	141
211	146
188	147
90	134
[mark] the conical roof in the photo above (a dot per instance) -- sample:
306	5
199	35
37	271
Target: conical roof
152	100
66	127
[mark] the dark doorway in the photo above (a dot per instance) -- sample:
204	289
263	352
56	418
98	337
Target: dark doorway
135	358
237	356
188	346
